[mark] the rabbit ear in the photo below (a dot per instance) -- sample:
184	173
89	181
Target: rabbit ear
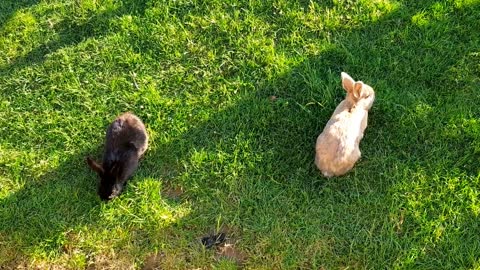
347	82
94	165
357	89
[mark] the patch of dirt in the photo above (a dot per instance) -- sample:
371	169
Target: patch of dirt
37	266
168	259
154	261
229	251
110	262
225	244
173	192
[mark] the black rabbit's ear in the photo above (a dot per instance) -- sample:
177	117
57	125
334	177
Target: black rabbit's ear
94	165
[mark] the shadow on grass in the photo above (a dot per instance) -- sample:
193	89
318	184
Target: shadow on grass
261	144
9	7
41	212
72	31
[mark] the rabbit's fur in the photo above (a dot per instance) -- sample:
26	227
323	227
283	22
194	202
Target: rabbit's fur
125	143
337	148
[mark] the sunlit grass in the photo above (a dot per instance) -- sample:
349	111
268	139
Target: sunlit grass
233	95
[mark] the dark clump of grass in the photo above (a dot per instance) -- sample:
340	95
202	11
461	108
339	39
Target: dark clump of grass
233	95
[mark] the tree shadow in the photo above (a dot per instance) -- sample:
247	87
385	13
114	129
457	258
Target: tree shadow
259	153
270	134
9	7
44	208
72	30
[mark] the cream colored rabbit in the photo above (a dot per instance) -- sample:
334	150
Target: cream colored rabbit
337	147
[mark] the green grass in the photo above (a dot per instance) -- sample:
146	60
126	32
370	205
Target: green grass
200	74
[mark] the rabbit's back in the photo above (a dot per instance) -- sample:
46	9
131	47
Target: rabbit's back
337	147
125	134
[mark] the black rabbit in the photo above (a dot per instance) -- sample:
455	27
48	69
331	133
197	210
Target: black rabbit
125	143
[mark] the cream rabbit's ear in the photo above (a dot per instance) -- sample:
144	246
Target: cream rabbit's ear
347	82
357	89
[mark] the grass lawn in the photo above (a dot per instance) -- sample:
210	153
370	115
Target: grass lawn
234	94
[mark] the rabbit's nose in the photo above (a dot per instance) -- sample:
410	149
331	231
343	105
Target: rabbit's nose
117	189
